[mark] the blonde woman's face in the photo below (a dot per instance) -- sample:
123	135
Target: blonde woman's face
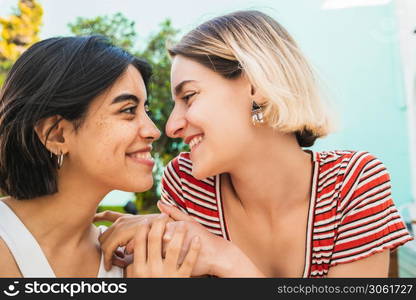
212	115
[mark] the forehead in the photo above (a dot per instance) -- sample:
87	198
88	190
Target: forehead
130	82
184	69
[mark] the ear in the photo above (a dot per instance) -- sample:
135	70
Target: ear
51	132
251	91
256	96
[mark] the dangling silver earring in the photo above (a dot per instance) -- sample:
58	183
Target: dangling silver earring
257	114
60	160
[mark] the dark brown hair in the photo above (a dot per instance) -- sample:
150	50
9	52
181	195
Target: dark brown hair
56	76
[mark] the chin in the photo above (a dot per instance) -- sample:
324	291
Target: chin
198	176
199	172
141	185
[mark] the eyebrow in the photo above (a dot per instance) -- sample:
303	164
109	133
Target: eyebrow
125	97
179	87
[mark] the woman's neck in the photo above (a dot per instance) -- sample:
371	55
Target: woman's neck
63	219
274	176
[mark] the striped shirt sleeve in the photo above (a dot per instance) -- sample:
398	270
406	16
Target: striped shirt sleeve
171	193
370	222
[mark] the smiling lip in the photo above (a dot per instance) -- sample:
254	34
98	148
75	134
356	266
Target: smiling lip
145	149
142	156
189	138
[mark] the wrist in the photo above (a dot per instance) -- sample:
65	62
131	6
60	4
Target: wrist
223	262
232	262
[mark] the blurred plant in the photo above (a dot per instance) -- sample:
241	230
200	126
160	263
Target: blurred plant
18	32
118	28
122	33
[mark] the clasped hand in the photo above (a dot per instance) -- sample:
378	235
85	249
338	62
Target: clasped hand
171	244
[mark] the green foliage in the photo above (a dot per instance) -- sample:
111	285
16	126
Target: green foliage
3	74
119	29
122	32
18	32
160	95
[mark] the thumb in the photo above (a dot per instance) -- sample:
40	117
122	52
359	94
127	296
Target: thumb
173	212
107	215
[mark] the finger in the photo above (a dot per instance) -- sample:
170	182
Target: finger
140	245
129	247
121	235
128	222
191	257
116	236
169	231
111	243
107	250
107	215
173	212
119	262
108	232
167	237
154	242
175	245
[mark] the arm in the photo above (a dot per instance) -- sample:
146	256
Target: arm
8	266
218	256
231	262
376	265
370	225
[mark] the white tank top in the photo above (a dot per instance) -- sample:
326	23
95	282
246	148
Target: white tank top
26	250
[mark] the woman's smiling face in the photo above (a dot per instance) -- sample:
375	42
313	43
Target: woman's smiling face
112	146
211	114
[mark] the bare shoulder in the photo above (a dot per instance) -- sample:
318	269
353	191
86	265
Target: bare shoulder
8	266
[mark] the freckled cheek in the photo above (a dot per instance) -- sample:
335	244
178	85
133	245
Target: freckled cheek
111	142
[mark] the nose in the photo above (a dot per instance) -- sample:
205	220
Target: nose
149	131
176	123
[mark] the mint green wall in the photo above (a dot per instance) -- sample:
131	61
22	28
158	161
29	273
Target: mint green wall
356	53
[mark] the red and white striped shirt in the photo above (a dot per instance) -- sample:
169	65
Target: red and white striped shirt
351	212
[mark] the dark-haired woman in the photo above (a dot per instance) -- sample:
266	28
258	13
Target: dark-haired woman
74	126
246	103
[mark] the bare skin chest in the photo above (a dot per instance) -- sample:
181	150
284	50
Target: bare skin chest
275	242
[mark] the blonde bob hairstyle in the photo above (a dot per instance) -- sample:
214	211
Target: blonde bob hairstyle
254	43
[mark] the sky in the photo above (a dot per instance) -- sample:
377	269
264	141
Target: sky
184	14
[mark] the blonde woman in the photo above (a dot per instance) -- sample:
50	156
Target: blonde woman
247	103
